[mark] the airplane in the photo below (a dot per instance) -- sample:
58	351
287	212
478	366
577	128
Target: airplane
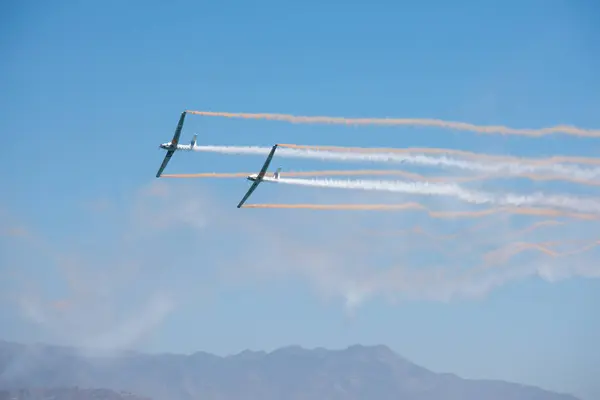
256	179
174	145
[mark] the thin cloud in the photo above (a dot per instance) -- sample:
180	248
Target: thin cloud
177	244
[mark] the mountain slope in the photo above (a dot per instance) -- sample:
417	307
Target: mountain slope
355	373
66	393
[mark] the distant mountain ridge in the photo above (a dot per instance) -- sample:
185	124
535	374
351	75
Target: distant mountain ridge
355	373
66	393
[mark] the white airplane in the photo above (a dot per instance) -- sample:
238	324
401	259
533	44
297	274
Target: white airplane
260	177
174	145
276	176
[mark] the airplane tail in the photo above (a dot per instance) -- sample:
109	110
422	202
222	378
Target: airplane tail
277	173
193	142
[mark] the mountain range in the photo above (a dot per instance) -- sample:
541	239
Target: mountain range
291	373
66	393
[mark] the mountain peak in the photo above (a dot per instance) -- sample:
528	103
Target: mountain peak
292	349
248	355
372	349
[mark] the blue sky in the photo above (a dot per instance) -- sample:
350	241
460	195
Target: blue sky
90	89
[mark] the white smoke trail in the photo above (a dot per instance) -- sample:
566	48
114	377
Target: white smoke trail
444	189
506	168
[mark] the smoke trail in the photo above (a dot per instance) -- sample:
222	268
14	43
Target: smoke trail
490	129
493	257
535	226
417	229
460	153
409	175
486	240
546	212
506	253
436	237
380	172
565	172
476	197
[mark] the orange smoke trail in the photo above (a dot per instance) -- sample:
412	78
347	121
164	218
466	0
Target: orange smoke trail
548	212
462	249
436	239
419	230
535	226
510	236
380	172
566	129
506	253
61	304
461	153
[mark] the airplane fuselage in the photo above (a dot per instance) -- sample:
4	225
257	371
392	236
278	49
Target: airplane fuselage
179	147
254	177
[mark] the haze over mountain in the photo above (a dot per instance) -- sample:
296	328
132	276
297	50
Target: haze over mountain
356	373
66	393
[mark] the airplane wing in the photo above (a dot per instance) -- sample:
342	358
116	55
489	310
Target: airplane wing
174	142
259	178
248	193
263	170
165	162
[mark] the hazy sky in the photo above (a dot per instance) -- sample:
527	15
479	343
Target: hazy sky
96	251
